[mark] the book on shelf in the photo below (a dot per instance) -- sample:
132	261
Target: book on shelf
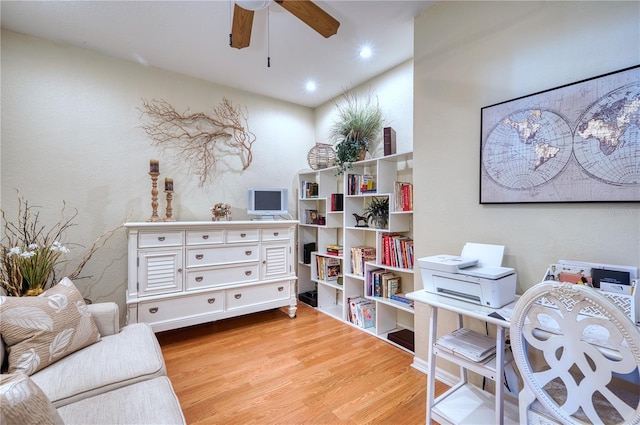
400	296
362	312
308	189
311	216
390	286
389	138
359	256
384	283
469	344
367	184
372	276
319	267
332	268
403	193
337	201
397	251
307	249
358	184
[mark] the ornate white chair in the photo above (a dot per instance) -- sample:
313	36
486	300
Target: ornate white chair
578	355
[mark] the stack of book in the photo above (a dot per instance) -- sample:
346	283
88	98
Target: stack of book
404	196
397	251
362	312
336	250
359	256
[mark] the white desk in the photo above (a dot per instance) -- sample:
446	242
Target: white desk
465	403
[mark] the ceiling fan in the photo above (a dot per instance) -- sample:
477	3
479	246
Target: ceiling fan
305	10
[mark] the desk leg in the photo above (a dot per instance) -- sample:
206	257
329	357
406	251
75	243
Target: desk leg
431	378
464	378
499	375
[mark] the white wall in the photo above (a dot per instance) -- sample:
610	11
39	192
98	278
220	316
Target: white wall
394	93
474	54
71	131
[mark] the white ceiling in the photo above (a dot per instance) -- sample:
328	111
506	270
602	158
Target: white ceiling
192	38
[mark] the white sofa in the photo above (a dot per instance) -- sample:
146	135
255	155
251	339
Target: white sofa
119	380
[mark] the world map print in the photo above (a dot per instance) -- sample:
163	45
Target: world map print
576	143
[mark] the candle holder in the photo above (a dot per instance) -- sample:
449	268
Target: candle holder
154	196
169	209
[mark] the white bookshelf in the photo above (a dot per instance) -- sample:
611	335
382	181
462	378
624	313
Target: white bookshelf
340	228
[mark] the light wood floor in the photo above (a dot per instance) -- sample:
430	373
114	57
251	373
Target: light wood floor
266	368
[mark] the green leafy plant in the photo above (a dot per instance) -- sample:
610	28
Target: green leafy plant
377	212
357	125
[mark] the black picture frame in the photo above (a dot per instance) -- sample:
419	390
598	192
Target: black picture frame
579	142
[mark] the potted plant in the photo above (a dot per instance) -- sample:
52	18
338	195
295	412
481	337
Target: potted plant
377	212
357	125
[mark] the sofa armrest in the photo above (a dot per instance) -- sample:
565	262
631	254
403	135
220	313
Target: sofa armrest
107	317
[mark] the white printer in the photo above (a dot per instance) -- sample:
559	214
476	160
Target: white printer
474	276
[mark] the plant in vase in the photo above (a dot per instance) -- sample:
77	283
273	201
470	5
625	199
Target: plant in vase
377	212
356	127
32	254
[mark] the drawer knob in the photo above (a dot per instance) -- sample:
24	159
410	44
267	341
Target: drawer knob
205	236
199	278
275	233
161	238
247	273
179	270
211	300
248	252
280	288
238	296
243	235
153	310
199	256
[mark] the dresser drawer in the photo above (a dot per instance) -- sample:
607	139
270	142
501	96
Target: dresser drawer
184	306
159	239
240	235
195	237
275	234
197	257
222	276
257	294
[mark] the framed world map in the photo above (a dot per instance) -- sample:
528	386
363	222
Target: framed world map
575	143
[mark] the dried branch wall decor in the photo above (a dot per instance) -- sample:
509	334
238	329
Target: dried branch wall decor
200	140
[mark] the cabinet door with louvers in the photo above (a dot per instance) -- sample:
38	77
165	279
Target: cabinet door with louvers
159	271
276	260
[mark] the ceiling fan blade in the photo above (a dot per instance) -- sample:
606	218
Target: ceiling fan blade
241	27
311	14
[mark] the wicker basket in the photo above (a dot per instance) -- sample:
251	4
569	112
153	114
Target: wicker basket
321	156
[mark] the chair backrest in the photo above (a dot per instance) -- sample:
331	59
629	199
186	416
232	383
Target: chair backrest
578	354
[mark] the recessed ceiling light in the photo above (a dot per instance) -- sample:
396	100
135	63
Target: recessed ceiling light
365	52
311	86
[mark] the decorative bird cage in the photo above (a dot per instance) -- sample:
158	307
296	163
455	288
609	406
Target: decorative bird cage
321	156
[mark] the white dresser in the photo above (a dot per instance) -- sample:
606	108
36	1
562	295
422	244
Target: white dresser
185	273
